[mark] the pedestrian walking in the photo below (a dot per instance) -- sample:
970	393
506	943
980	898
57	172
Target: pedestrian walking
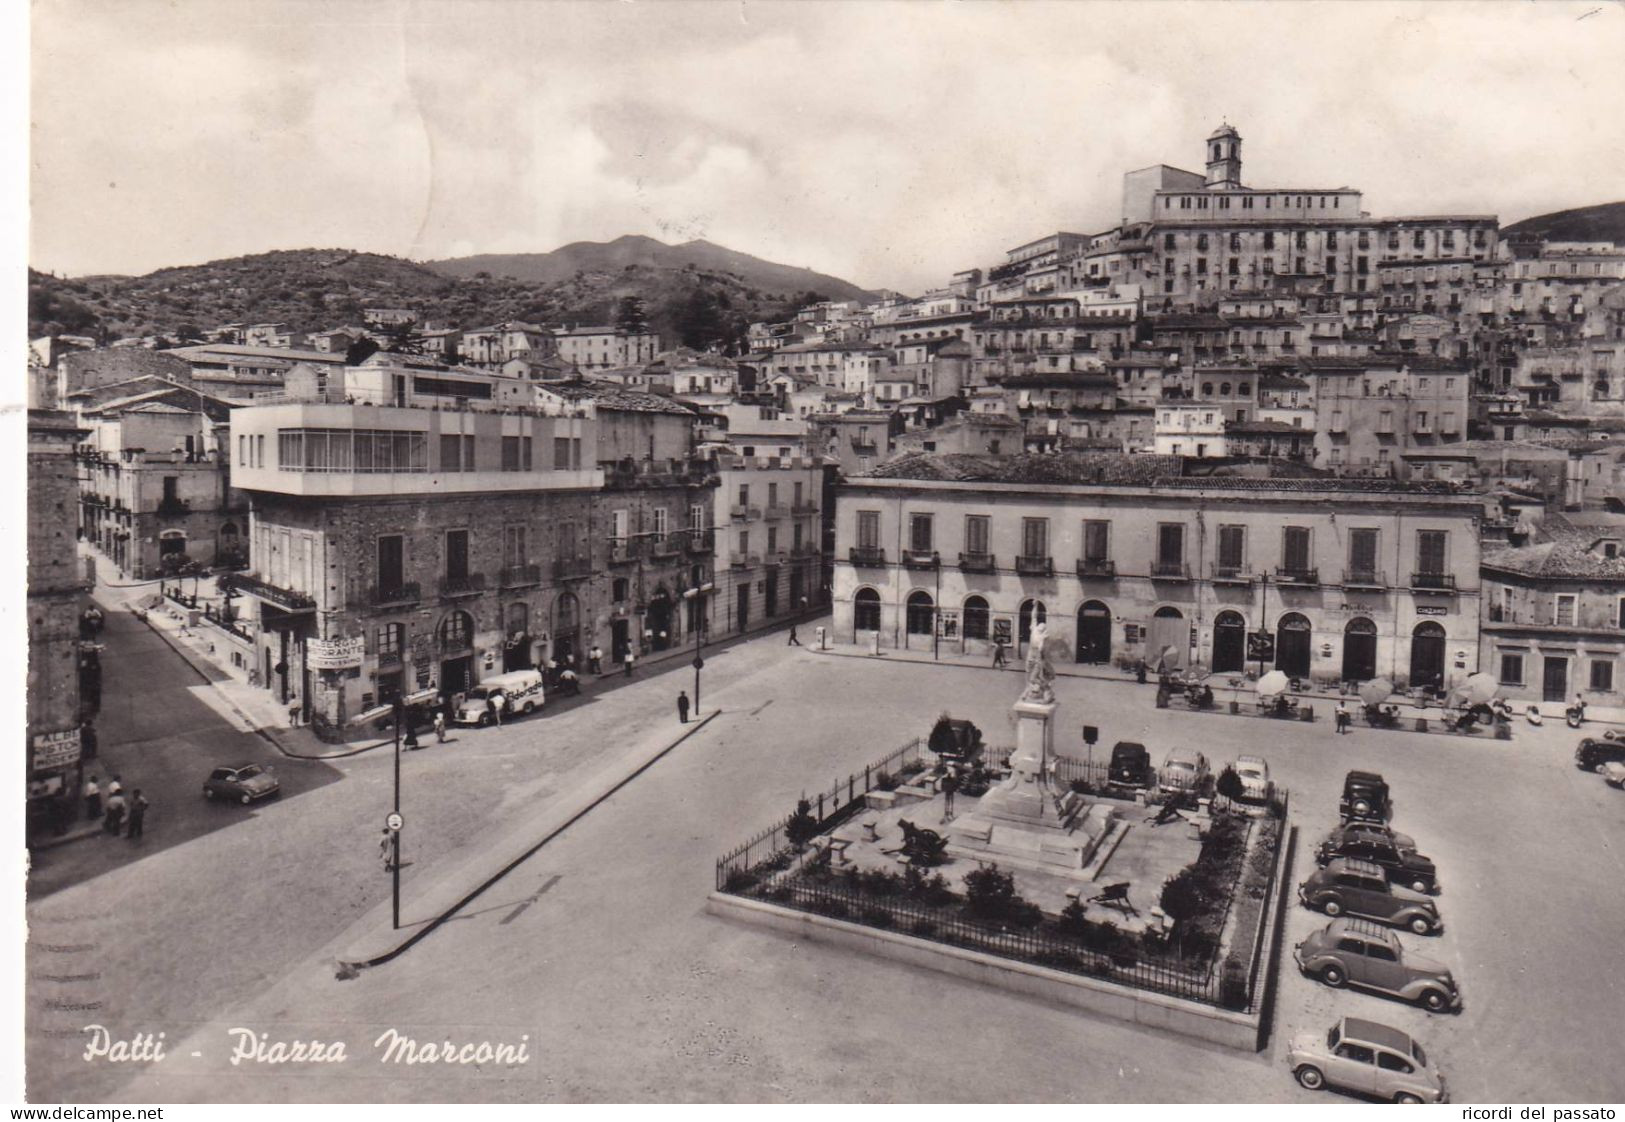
439	726
138	814
386	846
595	660
794	642
998	653
93	799
682	706
113	820
410	740
114	788
628	665
950	785
1342	718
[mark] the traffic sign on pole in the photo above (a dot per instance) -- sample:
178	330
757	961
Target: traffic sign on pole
394	822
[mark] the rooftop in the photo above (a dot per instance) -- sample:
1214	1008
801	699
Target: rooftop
608	395
1562	549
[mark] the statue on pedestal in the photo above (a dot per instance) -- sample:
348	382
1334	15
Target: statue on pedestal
1040	674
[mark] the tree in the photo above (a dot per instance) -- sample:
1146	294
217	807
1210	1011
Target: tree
630	316
1183	897
1229	784
802	826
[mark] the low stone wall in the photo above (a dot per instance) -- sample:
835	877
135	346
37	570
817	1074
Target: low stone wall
1242	1031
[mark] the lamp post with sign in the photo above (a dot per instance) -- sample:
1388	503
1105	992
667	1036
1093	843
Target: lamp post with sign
393	823
696	597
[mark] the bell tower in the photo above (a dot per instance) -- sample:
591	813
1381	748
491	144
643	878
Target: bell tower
1224	157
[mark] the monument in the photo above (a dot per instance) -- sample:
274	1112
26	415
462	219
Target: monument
1026	820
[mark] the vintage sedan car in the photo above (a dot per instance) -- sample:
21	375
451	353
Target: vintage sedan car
241	784
1365	798
1371	1058
1359	888
1595	755
1130	766
1613	773
1254	773
1182	771
1380	846
1354	952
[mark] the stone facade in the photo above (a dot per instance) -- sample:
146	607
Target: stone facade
55	592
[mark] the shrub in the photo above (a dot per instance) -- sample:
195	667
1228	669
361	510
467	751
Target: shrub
912	768
1060	960
1074	919
877	917
880	882
924	928
885	781
1184	895
1024	913
1233	984
802	826
779	893
989	893
835	908
1082	787
1229	784
931	890
740	880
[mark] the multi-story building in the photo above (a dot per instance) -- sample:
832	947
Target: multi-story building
606	348
240	371
55	591
853	441
1370	411
490	347
1124	559
769	530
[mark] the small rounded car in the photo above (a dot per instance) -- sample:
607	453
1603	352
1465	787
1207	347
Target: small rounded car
1183	770
1130	766
1381	846
1254	773
1354	952
1358	888
1368	1057
242	784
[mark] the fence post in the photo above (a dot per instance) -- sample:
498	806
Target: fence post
820	806
865	780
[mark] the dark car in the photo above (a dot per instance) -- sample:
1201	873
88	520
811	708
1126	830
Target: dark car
241	784
1130	766
1594	755
1377	845
1365	798
1359	888
956	741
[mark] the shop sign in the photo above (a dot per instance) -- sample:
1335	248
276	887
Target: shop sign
1432	610
334	654
56	749
1261	646
948	624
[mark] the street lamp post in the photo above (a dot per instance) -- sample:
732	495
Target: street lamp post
394	822
696	597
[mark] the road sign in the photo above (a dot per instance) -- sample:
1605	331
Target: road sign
394	822
699	663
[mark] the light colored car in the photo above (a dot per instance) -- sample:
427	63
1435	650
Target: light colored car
1182	770
240	784
518	691
1254	773
1357	953
1368	1057
1613	773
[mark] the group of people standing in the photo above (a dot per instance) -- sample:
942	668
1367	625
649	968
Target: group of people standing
119	814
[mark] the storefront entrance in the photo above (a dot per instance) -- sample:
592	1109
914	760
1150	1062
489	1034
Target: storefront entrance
1168	640
1293	637
1554	684
1229	643
1427	657
657	620
1359	650
1094	633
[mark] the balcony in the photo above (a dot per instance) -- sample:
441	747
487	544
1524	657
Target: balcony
1296	576
1444	583
666	546
1033	566
921	559
572	568
1364	578
804	508
864	447
977	563
806	549
868	557
456	588
1170	571
516	576
702	541
745	560
407	593
1096	568
776	557
173	508
624	551
777	510
285	598
742	512
1232	574
1337	424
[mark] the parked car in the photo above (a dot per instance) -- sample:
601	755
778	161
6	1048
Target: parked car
1254	774
243	784
956	741
1365	798
1368	1057
1594	755
1613	773
1130	766
1357	953
1360	888
1380	846
519	691
1183	770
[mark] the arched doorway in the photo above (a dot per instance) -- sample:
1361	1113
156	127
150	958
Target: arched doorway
1167	640
657	619
516	638
975	618
1427	656
456	634
230	551
566	627
1293	638
1032	614
1359	650
920	615
1229	643
865	611
1094	633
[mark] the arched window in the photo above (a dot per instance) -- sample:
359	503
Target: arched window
457	632
566	613
1207	389
391	642
518	620
921	613
975	617
1224	389
866	610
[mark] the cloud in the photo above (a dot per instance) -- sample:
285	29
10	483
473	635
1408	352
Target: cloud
891	143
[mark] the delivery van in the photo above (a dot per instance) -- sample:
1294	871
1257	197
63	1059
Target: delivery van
520	691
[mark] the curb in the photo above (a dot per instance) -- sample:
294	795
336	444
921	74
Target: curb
53	840
573	813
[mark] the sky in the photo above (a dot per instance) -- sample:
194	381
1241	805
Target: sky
888	143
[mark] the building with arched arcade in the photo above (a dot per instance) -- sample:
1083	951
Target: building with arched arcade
1126	559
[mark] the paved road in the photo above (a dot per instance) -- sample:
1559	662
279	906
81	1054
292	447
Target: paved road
599	949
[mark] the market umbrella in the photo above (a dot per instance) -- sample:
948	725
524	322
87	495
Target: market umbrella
1376	691
1272	684
1479	688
